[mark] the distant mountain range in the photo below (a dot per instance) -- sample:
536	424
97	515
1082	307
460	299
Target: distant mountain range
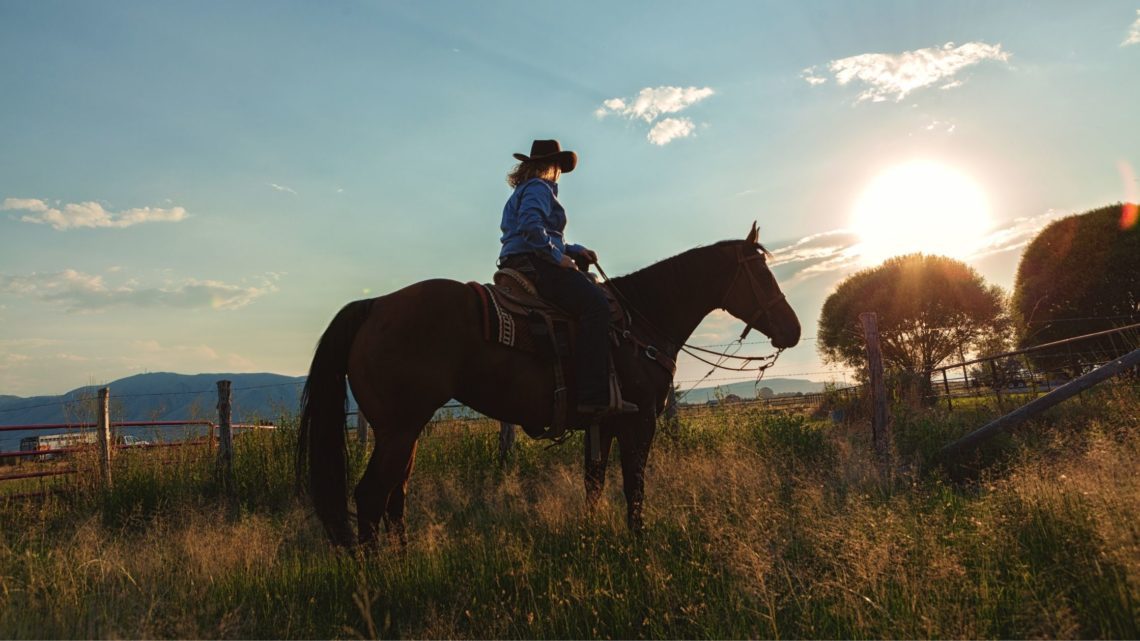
156	397
165	396
162	396
749	389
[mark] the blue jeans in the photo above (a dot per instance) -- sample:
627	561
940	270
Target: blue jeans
572	291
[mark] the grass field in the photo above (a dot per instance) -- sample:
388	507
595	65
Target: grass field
758	525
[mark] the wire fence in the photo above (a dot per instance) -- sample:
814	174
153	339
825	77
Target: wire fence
1015	376
1018	372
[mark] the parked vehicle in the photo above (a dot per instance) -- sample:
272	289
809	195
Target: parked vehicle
51	442
131	441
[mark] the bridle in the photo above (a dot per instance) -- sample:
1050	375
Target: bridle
742	261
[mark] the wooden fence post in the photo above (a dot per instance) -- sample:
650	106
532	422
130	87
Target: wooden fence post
361	427
946	386
880	421
225	464
1032	375
965	374
997	382
105	441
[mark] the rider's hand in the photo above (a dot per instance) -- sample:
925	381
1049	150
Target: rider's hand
567	262
591	257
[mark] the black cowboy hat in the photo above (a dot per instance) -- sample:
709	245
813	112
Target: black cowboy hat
551	151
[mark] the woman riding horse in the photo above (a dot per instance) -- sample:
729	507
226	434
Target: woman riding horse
534	222
407	353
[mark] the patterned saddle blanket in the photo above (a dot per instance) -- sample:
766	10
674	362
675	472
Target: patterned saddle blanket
515	315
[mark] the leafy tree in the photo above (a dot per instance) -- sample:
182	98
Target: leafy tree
1080	275
928	307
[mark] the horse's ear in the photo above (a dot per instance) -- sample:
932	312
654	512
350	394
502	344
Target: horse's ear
754	235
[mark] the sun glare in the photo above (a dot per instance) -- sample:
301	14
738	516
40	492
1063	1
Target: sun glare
920	206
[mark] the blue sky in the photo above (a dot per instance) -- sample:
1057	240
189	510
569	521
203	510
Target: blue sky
198	187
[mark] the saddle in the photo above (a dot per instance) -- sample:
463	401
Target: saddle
514	315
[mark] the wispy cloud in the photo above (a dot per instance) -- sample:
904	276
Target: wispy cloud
839	250
895	75
1016	234
1133	32
282	188
27	343
88	214
145	352
25	364
811	77
816	248
941	125
653	102
81	292
830	251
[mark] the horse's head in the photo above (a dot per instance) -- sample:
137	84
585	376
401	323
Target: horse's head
754	297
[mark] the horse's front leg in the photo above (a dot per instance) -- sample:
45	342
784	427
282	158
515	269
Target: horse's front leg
596	472
634	442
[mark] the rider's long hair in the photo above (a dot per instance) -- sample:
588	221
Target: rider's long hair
528	169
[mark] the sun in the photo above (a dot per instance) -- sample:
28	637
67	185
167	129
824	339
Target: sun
920	206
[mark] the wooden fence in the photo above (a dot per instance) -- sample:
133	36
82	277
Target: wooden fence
219	436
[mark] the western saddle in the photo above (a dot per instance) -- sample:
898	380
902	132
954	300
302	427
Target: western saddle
514	315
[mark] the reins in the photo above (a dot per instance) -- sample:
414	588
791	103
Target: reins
765	361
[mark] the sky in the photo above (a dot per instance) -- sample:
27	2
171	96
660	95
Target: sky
199	186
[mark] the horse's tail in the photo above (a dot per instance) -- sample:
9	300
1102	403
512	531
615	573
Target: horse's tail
321	442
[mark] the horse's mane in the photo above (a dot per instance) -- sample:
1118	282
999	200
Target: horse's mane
666	267
647	288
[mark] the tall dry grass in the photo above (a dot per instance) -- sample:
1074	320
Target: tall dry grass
757	526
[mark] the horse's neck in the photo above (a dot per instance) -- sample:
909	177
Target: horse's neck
677	293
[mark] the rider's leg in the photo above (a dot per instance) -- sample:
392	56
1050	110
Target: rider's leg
573	291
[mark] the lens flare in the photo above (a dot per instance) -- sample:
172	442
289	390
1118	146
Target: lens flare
1128	212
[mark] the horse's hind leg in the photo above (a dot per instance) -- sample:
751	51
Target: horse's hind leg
394	513
388	468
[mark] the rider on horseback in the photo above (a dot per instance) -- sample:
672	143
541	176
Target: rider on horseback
532	242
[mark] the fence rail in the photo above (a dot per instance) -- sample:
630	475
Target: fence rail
1013	372
105	444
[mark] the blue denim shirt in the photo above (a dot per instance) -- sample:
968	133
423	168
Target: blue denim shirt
534	221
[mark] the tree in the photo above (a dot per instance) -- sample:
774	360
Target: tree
1080	275
928	307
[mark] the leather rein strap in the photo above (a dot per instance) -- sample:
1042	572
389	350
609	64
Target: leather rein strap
656	354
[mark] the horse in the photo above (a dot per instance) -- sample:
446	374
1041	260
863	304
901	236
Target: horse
409	352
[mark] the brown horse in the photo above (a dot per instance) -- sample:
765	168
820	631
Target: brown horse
409	352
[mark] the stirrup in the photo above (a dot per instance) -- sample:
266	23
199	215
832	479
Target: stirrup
615	405
556	437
